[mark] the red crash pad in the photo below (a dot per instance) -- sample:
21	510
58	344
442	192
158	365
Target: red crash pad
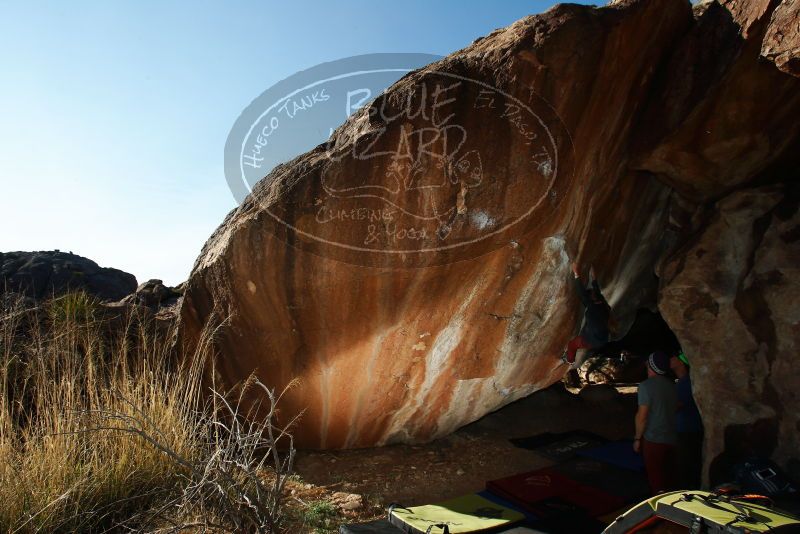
546	492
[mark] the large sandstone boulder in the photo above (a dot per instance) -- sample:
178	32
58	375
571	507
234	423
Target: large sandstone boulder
413	273
411	344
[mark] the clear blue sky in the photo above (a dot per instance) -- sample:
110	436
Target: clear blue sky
113	116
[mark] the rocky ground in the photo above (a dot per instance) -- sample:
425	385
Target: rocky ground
357	485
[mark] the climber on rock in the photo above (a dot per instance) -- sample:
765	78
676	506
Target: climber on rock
594	332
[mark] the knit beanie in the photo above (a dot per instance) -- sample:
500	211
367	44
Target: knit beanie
659	362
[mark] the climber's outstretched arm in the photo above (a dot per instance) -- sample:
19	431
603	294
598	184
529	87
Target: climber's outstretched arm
596	285
583	294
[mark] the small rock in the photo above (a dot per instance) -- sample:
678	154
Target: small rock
351	505
347	501
154	294
460	472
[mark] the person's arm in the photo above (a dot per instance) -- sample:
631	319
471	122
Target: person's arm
643	399
641	424
596	284
681	396
582	293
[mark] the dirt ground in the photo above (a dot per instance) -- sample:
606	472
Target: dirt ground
460	463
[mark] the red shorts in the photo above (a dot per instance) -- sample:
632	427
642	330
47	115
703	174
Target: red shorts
574	345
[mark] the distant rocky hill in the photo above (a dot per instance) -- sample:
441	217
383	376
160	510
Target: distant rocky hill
45	274
42	275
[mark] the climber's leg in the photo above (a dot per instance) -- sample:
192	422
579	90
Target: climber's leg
582	354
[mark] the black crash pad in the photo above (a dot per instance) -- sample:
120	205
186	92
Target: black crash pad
380	526
619	453
560	446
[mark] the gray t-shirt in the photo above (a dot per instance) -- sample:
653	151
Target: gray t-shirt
660	395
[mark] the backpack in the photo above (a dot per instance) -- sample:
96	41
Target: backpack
760	475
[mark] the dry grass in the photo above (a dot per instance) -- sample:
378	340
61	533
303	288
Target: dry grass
101	430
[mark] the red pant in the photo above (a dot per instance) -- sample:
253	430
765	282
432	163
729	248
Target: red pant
659	462
574	345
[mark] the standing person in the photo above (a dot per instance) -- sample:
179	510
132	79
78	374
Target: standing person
594	332
689	444
656	423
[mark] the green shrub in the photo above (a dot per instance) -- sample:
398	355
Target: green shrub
320	516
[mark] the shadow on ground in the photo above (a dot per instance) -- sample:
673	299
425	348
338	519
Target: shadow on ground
462	462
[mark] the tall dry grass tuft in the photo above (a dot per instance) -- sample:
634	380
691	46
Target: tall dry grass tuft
101	428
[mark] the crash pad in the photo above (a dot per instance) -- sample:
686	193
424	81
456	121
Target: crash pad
381	526
574	523
712	513
619	453
488	495
567	447
520	530
470	513
631	486
559	446
546	492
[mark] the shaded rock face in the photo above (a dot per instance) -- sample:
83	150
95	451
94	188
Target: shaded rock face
731	296
595	135
708	128
41	275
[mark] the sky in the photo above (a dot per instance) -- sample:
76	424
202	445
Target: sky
114	116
